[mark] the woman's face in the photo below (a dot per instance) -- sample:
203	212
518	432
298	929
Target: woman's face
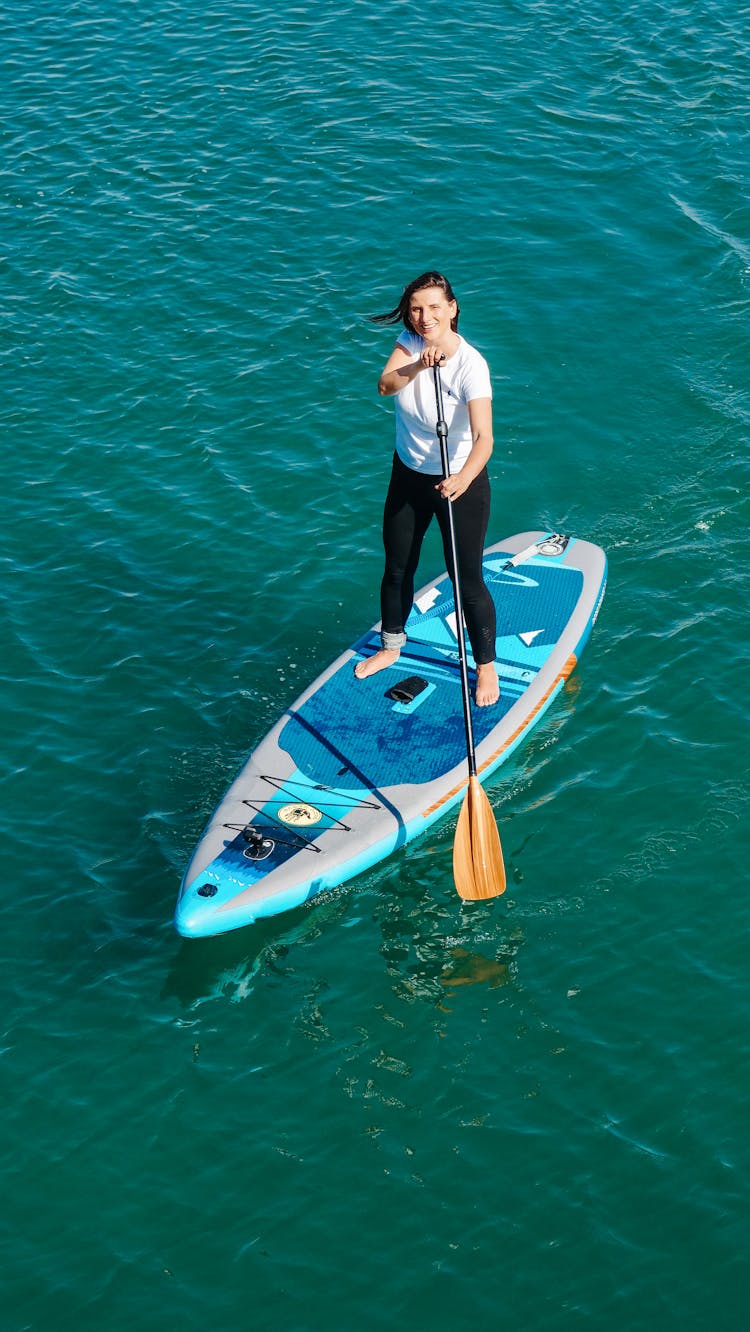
431	313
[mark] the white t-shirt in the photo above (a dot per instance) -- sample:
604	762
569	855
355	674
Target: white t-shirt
464	376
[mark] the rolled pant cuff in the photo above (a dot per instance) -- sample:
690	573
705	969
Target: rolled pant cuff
392	642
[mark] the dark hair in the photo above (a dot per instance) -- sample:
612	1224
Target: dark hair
400	312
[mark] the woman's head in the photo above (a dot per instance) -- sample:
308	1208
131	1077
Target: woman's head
410	298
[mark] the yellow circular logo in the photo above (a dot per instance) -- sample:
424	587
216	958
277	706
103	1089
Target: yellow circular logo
300	815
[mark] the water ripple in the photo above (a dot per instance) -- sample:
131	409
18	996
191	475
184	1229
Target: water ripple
200	209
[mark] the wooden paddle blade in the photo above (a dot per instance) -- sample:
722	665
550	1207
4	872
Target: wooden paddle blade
478	868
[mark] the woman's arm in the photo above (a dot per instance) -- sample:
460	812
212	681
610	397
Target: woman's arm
398	370
401	368
480	420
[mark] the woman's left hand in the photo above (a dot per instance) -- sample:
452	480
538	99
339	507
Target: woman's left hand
480	416
453	486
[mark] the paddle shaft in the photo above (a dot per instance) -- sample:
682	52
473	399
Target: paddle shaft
442	434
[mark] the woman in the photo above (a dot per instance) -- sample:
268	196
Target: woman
429	312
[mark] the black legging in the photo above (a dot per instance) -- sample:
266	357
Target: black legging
410	505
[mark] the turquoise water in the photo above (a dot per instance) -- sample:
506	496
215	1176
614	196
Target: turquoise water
387	1109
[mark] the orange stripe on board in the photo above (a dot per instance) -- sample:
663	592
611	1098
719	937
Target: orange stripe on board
566	671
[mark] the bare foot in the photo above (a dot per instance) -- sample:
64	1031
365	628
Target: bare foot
371	665
487	691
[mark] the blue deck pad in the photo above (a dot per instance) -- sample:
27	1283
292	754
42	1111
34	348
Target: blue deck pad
533	603
346	717
359	726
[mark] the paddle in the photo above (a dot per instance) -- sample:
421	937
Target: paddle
478	868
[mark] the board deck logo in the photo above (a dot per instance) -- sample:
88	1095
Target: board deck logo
300	815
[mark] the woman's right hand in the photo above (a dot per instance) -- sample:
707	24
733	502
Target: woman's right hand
402	367
430	356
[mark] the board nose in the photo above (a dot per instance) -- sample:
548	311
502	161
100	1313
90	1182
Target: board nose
196	913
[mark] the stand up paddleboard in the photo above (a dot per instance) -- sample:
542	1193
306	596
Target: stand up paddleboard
356	768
